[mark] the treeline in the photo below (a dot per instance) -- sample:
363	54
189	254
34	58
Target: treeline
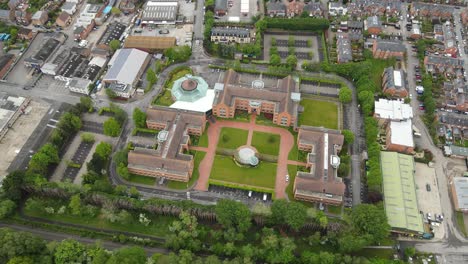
298	23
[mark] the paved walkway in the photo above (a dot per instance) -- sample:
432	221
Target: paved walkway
297	163
197	148
286	143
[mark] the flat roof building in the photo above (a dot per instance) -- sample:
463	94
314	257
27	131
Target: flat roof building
321	184
395	110
40	57
125	69
459	186
168	160
150	43
400	202
400	136
160	12
11	107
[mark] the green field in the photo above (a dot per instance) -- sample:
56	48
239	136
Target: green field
142	179
266	143
232	138
199	155
319	113
225	169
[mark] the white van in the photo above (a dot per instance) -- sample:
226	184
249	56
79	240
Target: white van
264	197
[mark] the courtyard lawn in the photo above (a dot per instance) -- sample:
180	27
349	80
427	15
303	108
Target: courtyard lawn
165	98
199	155
142	179
319	113
203	141
232	138
226	170
266	143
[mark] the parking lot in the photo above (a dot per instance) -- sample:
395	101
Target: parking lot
306	48
94	127
19	133
319	89
428	195
235	11
241	194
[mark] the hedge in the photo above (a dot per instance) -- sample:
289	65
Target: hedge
242	187
298	23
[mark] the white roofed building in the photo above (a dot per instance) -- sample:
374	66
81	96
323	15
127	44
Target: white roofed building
394	110
400	136
159	12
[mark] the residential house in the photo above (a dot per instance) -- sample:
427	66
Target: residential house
455	95
431	11
321	184
450	43
276	8
337	9
294	8
69	7
438	32
39	18
464	17
221	7
373	25
343	48
25	33
21	15
314	9
442	64
63	20
281	102
230	35
393	83
385	49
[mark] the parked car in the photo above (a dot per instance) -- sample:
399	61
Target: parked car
428	187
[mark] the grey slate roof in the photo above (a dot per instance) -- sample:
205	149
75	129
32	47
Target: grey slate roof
221	5
276	6
238	32
113	31
373	21
445	61
395	46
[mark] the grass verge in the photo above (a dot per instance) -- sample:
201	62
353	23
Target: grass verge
266	143
142	179
232	138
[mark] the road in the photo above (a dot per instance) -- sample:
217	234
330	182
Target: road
56	236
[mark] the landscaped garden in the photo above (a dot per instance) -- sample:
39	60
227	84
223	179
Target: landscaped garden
232	138
266	143
165	97
319	113
225	170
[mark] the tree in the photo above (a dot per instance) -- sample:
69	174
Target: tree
21	260
368	219
122	171
348	136
293	214
275	59
75	204
13	34
345	95
305	14
179	53
111	94
139	117
273	42
291	60
7	207
15	244
133	192
104	150
151	77
114	45
410	252
128	255
90	177
184	233
40	161
277	250
69	251
116	11
87	137
86	104
291	41
111	127
12	184
233	214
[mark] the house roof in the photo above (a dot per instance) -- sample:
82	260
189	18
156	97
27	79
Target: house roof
276	6
443	60
394	78
402	133
230	31
399	192
373	21
125	65
37	15
4	59
24	31
393	109
388	45
64	16
322	178
280	94
149	42
221	5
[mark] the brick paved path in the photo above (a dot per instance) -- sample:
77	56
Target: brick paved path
286	143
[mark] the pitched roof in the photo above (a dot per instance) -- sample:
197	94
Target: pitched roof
230	31
322	177
388	45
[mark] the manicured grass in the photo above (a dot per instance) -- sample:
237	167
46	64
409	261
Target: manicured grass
159	225
266	143
142	179
225	169
164	99
232	138
461	222
292	171
199	155
319	113
203	141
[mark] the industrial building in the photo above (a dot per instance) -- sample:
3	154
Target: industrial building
159	12
11	107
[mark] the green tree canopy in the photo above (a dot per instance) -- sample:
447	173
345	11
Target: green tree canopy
179	53
111	127
69	251
15	244
128	255
293	214
114	45
368	219
104	150
7	208
139	117
233	214
345	95
116	11
291	60
348	136
151	76
275	59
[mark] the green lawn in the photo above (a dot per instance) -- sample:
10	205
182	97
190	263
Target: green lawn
199	155
142	179
203	141
292	171
232	138
461	222
225	169
377	68
159	225
266	143
319	113
336	210
164	99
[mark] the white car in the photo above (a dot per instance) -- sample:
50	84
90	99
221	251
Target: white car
287	177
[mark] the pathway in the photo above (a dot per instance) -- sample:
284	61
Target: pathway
286	143
297	163
197	148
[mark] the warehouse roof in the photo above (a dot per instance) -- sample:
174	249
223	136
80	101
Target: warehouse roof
402	133
125	65
461	193
160	11
150	42
400	201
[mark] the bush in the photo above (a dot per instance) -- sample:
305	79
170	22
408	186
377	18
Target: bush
307	24
87	137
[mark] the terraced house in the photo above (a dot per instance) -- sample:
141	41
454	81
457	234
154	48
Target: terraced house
281	101
230	35
168	159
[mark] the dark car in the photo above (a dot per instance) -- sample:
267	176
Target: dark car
428	187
